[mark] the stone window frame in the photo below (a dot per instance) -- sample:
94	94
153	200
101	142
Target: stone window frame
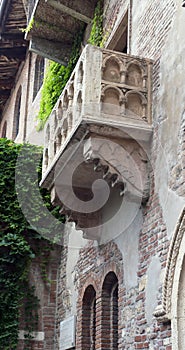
121	33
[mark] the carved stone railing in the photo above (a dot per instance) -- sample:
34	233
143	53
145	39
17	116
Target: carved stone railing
103	116
107	87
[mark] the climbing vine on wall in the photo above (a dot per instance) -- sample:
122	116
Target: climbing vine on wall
55	80
96	34
57	75
16	248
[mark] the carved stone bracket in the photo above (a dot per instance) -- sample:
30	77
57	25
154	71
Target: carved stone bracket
119	166
124	166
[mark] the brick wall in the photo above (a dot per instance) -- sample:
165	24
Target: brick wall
62	303
103	267
93	266
46	292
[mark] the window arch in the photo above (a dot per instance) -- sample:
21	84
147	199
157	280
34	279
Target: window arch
110	312
3	134
39	75
89	319
17	112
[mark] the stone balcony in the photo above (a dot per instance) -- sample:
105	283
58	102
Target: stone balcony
97	138
53	25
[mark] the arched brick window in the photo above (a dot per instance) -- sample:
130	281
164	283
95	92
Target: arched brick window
17	113
109	333
4	130
89	319
39	75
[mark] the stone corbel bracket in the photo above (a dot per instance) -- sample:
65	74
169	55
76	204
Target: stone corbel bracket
124	166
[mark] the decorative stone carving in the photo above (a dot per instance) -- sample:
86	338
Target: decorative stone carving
122	165
163	311
134	75
112	98
59	110
112	68
136	104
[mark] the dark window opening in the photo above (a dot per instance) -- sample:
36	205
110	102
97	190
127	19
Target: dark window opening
39	75
110	312
89	319
119	41
17	113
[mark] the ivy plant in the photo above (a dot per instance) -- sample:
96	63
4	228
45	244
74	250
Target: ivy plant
96	34
55	80
57	75
19	242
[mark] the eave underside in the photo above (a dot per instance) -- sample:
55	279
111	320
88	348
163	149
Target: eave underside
13	47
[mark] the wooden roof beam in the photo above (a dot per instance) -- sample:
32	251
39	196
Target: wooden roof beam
18	37
5	7
4	93
6	84
13	52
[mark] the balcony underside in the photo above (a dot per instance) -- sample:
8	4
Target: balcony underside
100	167
55	24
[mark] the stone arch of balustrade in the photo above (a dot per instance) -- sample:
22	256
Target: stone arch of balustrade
55	120
79	97
135	74
70	89
45	159
65	101
111	69
135	92
57	139
136	104
80	72
138	64
64	129
47	134
115	92
59	110
79	101
111	98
